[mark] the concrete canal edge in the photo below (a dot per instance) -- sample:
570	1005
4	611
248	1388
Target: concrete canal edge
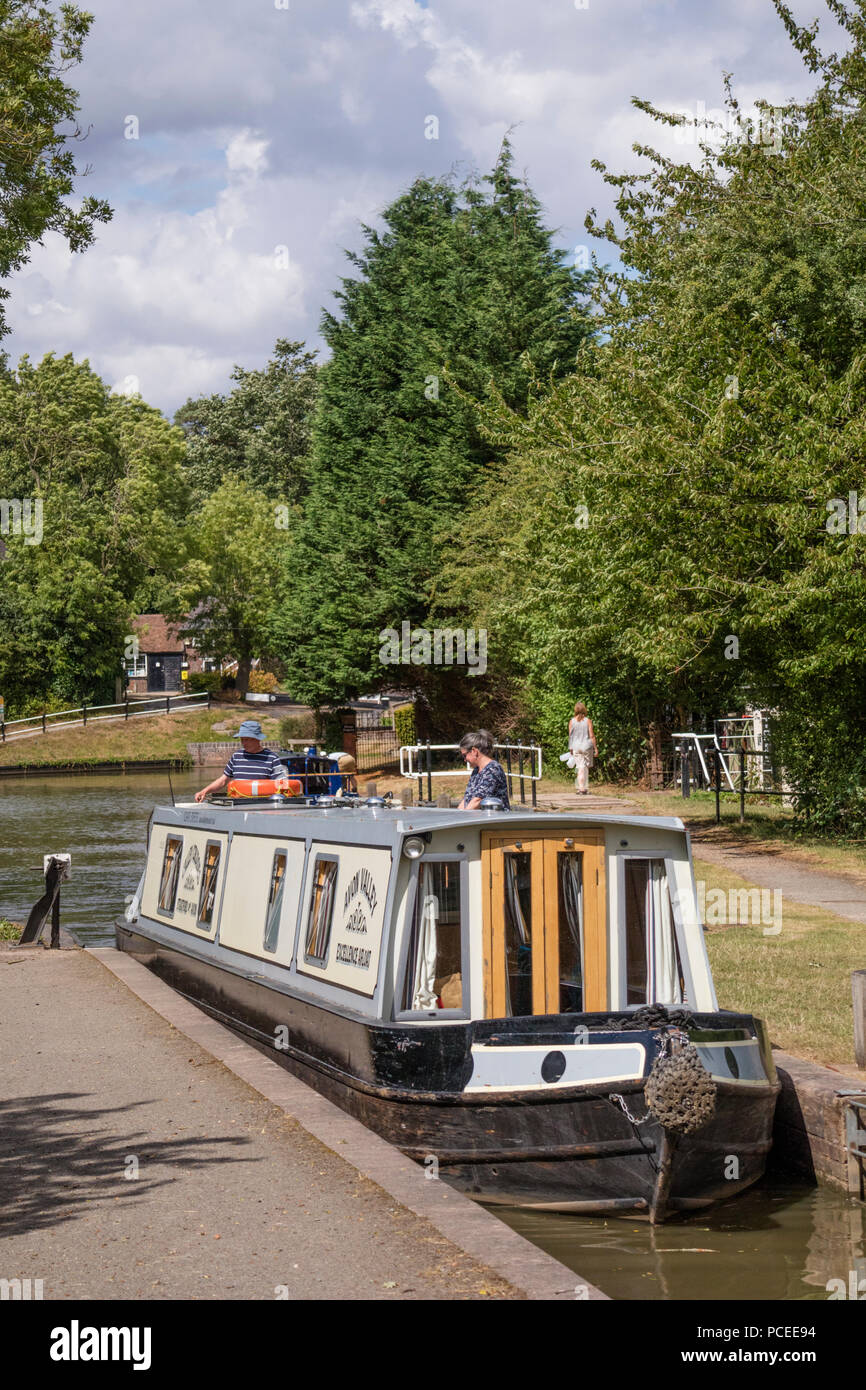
472	1228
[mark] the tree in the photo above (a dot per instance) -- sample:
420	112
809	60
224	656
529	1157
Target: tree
238	543
462	286
37	164
92	500
260	431
676	492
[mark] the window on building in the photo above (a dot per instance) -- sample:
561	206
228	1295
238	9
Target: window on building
321	910
434	964
654	972
136	665
275	899
170	873
207	896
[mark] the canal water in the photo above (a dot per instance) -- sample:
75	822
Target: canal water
779	1241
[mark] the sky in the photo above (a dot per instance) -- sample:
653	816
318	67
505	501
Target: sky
242	143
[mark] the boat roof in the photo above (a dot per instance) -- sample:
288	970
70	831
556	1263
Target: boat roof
345	821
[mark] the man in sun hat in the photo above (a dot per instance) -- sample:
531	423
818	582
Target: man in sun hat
256	763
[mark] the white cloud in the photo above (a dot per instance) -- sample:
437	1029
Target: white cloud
263	128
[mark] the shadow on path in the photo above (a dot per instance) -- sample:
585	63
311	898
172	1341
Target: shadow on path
53	1165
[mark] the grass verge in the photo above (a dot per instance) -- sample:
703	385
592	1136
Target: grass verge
154	736
799	982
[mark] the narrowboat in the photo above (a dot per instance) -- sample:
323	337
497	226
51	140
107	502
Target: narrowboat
520	1000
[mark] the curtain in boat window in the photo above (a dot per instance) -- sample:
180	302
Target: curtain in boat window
653	972
434	966
207	896
321	909
275	900
570	882
518	933
664	972
423	992
170	874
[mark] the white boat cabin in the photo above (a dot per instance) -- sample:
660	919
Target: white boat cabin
422	914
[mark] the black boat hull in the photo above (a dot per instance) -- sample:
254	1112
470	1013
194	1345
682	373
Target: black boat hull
570	1149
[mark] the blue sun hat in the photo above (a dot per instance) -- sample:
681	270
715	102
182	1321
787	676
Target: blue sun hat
251	728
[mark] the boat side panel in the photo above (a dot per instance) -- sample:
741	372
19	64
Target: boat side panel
193	850
245	901
358	920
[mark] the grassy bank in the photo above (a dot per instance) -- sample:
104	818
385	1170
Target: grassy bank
155	736
799	982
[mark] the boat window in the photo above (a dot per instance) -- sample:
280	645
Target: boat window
321	909
275	899
434	967
518	933
653	968
170	873
569	878
207	896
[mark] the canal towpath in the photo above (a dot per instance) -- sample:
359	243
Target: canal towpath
148	1153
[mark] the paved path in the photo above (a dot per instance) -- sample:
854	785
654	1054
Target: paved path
772	868
233	1197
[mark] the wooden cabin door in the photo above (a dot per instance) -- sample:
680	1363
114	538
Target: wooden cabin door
544	923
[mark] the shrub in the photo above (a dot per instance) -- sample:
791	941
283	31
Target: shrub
298	726
262	682
404	724
204	680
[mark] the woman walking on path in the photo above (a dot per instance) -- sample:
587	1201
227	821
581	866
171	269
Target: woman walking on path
581	742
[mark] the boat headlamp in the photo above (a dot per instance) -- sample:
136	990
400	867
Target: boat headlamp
413	847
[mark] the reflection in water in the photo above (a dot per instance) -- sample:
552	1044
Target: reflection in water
101	821
779	1240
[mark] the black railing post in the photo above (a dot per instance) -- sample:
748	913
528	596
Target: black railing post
43	721
208	702
520	774
508	766
742	784
420	776
429	774
684	771
532	770
84	712
126	707
717	758
168	704
2	731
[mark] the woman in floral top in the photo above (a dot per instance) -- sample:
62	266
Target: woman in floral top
486	777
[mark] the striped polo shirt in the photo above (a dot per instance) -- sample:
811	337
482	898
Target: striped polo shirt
254	766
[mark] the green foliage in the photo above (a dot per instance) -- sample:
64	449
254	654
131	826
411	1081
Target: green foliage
37	164
674	491
404	724
204	680
260	431
295	726
462	286
224	599
104	474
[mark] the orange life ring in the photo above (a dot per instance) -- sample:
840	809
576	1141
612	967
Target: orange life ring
285	786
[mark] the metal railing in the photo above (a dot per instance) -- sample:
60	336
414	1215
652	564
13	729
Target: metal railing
713	765
413	754
168	704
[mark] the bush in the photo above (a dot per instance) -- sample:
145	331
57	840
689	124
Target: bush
262	682
204	680
404	724
298	726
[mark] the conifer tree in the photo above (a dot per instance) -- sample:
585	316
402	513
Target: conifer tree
462	287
